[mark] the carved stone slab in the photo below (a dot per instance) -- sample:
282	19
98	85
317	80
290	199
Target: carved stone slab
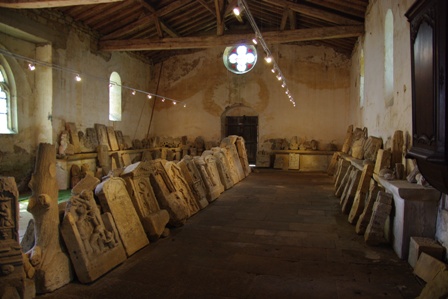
281	161
364	218
115	199
11	261
371	147
361	193
91	138
74	139
194	179
242	153
92	239
212	189
232	155
374	234
348	140
263	159
120	140
223	167
182	186
153	219
294	161
112	138
212	169
166	194
397	147
234	174
383	160
101	133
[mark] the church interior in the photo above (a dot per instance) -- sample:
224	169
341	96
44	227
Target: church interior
223	149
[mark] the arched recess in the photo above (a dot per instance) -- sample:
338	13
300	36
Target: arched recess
242	120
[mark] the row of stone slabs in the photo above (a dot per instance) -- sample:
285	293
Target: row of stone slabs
139	205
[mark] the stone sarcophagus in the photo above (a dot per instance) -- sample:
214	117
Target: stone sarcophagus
91	238
114	198
194	179
153	219
167	195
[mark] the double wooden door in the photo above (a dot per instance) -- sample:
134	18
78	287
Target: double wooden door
246	127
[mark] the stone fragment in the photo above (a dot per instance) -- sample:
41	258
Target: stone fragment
194	179
427	267
331	170
166	194
263	159
104	160
127	159
211	188
437	287
348	140
101	133
361	193
371	147
374	234
51	263
242	153
350	191
357	147
343	182
115	199
364	218
383	159
417	245
281	161
127	142
91	238
397	148
89	182
294	161
181	186
340	172
234	160
11	261
74	138
112	138
120	140
75	175
91	138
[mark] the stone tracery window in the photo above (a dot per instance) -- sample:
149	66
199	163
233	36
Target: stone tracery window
240	59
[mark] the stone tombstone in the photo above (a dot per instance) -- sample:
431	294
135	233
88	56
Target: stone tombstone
114	198
89	182
263	159
127	142
104	161
374	234
242	153
359	139
361	193
212	169
91	238
181	185
137	144
199	144
194	179
101	133
91	138
397	147
11	261
86	145
50	261
294	161
281	161
383	160
166	194
112	138
223	167
371	147
74	138
232	156
153	219
211	188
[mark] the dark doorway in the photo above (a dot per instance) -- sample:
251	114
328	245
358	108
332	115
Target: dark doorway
246	127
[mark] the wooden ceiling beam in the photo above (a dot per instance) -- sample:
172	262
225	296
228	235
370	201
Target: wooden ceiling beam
273	37
314	12
33	4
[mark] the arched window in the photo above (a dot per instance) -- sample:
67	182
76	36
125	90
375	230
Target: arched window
361	78
8	107
115	97
389	58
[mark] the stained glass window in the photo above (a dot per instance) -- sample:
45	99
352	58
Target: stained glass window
240	59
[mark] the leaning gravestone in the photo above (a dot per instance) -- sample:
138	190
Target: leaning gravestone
115	199
234	160
212	189
181	186
166	194
194	179
153	219
91	238
242	153
101	132
223	167
51	263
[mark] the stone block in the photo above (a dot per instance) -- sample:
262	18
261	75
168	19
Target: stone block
417	245
427	267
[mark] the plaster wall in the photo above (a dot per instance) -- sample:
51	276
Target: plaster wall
317	77
381	115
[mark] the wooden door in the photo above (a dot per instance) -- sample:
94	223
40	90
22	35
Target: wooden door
246	127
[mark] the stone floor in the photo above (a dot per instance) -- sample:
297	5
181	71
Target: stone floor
277	234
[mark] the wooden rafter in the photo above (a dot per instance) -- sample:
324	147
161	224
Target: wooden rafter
49	3
274	37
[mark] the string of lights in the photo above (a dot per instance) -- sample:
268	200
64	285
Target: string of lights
32	63
259	39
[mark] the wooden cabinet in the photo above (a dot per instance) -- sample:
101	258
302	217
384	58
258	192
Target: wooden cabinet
428	26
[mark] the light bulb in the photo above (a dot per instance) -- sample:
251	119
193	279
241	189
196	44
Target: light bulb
163	99
236	11
31	67
268	59
133	92
174	102
149	96
78	78
185	105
